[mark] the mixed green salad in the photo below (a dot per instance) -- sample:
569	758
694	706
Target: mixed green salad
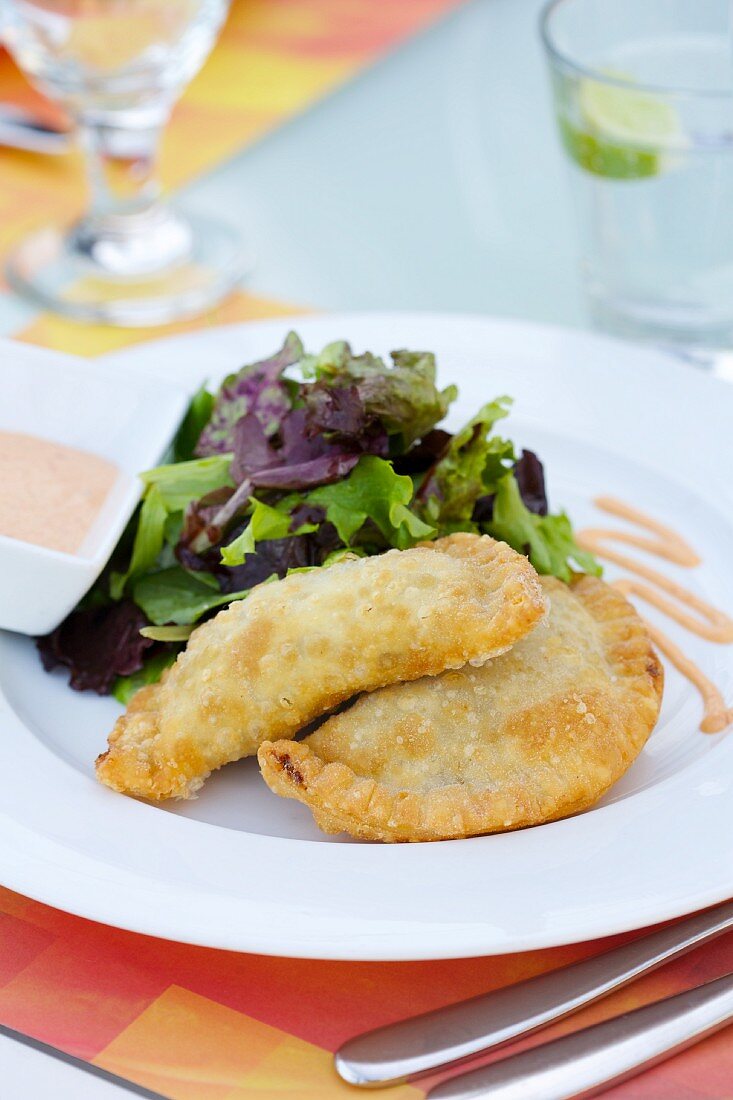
295	462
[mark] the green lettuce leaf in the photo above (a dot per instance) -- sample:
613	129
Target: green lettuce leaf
373	491
197	417
149	538
168	633
548	540
266	522
177	596
168	491
179	483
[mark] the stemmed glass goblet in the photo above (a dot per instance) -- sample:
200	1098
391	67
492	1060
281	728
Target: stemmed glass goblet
117	66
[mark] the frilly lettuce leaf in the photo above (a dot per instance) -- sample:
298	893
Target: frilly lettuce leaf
474	486
403	396
547	540
373	491
471	466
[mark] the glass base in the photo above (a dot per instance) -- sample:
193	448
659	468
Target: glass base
165	267
691	334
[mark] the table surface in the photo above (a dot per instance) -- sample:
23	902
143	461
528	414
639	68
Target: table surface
27	1074
432	181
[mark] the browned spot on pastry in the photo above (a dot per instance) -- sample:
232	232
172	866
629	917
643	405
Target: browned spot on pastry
285	761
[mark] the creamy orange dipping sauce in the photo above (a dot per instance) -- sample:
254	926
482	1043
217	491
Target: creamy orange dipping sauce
50	494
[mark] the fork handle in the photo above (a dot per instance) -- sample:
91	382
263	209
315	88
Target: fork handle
590	1061
448	1035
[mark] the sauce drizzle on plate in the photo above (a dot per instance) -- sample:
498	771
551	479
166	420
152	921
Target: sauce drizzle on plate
675	601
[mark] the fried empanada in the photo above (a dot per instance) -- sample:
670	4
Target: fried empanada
295	648
539	733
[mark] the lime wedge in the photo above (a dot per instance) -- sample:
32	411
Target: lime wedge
628	116
605	158
624	133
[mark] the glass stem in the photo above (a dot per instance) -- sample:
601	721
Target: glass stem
121	167
127	232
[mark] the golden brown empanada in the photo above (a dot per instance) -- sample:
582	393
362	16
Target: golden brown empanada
539	733
295	648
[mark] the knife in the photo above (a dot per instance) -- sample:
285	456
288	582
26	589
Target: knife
448	1035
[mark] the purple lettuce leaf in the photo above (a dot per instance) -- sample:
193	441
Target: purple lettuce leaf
252	449
423	455
305	512
277	556
259	389
322	470
483	509
97	644
303	454
530	476
201	516
271	557
337	410
303	438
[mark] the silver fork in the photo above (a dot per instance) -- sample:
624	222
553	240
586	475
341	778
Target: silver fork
449	1035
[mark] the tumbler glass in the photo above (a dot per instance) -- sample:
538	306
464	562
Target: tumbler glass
643	93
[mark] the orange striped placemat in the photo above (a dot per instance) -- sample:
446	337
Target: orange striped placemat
198	1024
51	331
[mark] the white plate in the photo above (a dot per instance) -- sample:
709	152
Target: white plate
239	868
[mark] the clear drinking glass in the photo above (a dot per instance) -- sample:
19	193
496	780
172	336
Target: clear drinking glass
643	93
118	66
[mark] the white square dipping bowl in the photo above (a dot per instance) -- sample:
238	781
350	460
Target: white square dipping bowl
124	416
